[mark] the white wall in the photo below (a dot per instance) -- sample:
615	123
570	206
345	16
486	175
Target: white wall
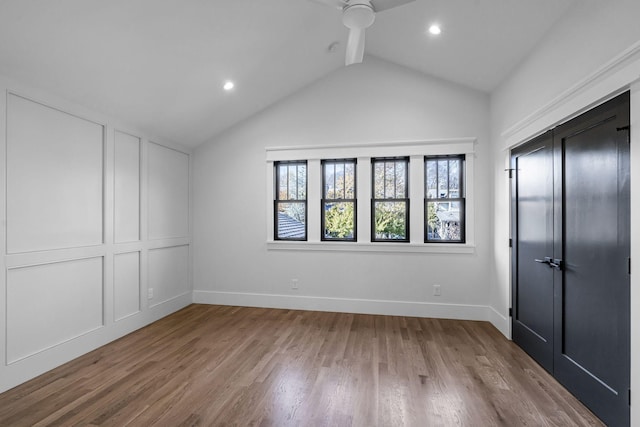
371	102
590	55
96	215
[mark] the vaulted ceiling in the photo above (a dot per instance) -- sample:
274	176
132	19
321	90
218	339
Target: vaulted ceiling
160	64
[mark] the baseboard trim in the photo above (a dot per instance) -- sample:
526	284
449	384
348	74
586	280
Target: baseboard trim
501	322
346	305
41	362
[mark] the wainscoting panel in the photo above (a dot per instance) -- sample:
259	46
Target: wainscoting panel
126	284
54	178
50	304
168	186
168	273
83	195
126	188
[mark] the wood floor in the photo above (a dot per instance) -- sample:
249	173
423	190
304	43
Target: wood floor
219	365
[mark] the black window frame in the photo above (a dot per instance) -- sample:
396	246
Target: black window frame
324	200
406	200
460	199
277	200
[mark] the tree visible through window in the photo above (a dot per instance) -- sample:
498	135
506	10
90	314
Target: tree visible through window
390	202
444	199
290	204
339	200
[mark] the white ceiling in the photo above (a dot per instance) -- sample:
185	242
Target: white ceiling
160	64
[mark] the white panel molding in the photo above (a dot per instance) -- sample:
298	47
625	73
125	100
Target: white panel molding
144	224
51	304
168	273
168	242
60	255
124	248
48	99
53	157
345	305
107	248
63	107
108	214
167	192
40	363
126	191
126	285
3	235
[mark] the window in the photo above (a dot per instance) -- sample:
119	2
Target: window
390	202
339	200
385	197
290	204
444	199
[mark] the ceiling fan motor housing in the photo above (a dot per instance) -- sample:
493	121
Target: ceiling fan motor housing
358	14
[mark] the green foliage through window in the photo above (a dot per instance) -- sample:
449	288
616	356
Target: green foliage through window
339	200
390	206
444	199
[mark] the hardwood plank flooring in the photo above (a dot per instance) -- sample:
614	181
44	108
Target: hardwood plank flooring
219	365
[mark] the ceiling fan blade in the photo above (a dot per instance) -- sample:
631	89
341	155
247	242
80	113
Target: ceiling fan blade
355	46
380	5
338	4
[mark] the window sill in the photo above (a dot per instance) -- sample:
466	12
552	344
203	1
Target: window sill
380	247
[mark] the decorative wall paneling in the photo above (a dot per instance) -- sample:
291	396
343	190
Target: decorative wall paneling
97	240
54	178
126	285
168	192
34	322
126	181
169	272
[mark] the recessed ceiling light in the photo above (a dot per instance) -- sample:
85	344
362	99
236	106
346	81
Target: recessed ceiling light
435	29
228	85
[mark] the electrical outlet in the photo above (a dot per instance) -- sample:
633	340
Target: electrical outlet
294	283
436	290
150	293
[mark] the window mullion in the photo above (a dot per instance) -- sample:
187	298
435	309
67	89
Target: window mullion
288	194
448	176
297	182
333	179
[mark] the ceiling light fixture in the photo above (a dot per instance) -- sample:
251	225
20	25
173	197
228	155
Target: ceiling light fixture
228	85
435	29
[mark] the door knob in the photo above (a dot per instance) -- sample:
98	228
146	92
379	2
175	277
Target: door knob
546	260
556	263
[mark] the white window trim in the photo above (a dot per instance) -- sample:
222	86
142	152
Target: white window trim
416	150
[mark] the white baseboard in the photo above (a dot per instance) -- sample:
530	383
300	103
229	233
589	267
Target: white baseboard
28	368
39	363
346	305
501	322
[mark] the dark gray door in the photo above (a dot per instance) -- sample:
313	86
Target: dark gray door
571	248
592	357
532	206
